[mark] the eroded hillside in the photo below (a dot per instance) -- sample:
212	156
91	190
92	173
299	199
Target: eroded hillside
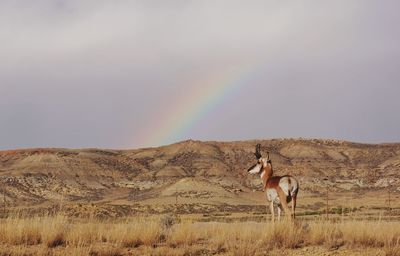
197	176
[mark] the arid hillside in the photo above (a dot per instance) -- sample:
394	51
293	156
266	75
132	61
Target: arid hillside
198	177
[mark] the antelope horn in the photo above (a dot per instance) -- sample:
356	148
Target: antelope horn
258	151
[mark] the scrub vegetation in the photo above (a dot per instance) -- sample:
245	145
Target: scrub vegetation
169	235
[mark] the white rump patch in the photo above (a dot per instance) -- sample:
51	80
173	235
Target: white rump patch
284	184
288	184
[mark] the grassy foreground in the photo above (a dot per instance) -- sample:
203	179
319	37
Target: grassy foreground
165	235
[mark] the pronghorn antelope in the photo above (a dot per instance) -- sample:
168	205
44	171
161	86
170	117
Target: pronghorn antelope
281	190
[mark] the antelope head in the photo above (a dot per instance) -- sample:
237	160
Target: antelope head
262	162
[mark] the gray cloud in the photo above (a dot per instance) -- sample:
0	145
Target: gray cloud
97	73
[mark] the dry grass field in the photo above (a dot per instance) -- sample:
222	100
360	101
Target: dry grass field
168	235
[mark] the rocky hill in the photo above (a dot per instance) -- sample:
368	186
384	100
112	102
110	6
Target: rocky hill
195	176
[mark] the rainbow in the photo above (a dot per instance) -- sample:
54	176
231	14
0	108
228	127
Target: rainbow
174	124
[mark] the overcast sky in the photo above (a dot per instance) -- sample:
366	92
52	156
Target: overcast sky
98	73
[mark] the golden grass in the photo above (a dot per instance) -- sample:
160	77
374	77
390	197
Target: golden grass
139	232
149	236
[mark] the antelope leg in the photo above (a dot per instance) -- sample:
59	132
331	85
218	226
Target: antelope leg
282	198
272	212
279	212
294	199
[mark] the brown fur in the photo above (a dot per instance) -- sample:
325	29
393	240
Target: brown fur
271	181
268	172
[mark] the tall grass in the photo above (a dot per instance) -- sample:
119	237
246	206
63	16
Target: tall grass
41	235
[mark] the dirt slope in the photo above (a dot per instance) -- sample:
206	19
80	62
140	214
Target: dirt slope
197	176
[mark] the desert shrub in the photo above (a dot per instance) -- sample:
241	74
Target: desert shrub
138	232
168	220
324	233
54	231
17	231
106	252
184	234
